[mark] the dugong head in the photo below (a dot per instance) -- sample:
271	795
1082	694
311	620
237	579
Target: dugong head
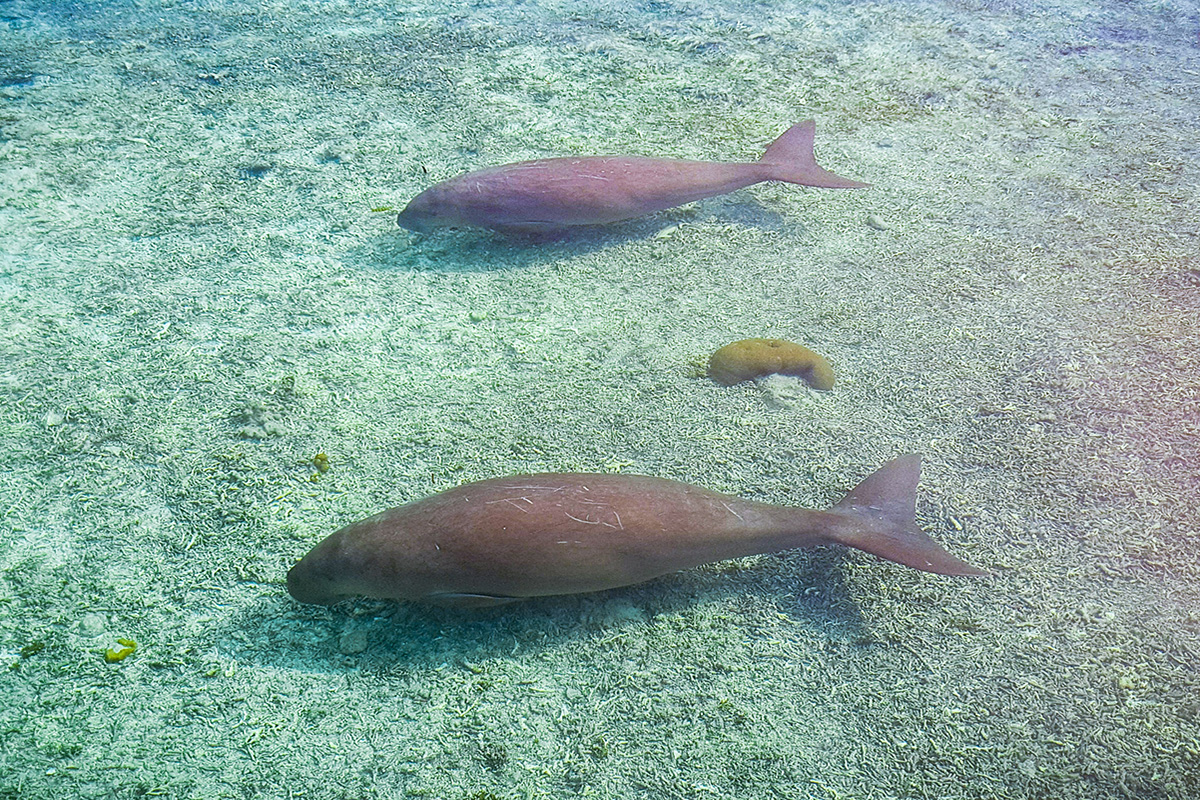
427	211
310	582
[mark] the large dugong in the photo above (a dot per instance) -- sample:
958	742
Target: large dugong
506	539
555	193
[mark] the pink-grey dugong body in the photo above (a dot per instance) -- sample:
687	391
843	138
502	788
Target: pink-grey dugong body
555	193
524	536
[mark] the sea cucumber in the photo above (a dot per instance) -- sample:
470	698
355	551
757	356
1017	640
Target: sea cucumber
753	358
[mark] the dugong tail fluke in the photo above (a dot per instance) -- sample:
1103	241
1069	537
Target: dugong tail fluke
792	160
883	508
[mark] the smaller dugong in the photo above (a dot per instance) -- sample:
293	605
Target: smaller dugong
506	539
555	193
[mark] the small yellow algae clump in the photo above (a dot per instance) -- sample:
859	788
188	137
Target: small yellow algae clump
753	358
127	647
321	462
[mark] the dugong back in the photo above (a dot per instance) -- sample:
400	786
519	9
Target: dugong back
526	536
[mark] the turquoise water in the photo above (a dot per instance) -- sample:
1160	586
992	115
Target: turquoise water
202	288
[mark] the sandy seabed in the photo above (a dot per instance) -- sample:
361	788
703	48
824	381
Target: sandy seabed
202	288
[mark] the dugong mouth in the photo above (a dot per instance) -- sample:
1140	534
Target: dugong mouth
413	221
423	213
308	586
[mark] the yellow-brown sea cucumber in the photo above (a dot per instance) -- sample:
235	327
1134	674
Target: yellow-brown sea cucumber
754	358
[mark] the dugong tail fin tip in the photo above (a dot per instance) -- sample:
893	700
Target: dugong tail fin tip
884	508
792	160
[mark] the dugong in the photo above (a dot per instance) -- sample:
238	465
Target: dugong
555	193
506	539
